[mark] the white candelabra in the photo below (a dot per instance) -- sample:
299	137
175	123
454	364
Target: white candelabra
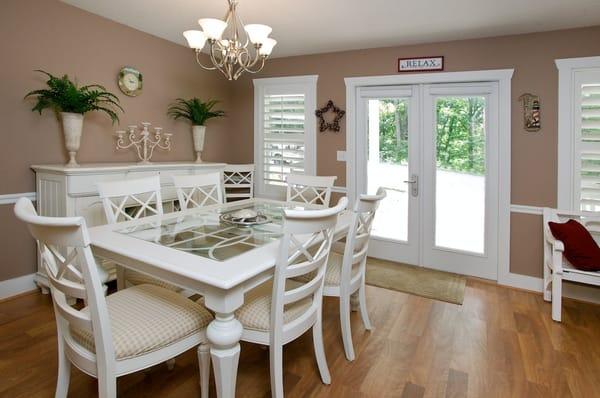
143	142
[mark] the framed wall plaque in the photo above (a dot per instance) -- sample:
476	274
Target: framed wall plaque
421	64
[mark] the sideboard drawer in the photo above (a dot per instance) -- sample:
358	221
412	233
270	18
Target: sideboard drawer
85	185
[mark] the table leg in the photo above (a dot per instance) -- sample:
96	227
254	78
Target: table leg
224	334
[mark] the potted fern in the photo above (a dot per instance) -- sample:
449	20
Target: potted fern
71	102
197	112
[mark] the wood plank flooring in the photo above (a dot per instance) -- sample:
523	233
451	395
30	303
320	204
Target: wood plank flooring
499	343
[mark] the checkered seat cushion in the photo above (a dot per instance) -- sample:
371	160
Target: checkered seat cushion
109	272
255	314
333	274
145	318
137	278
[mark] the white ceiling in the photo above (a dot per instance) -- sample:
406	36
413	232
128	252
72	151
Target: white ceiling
317	26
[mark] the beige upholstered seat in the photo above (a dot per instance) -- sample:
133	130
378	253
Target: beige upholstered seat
333	273
256	312
137	278
145	318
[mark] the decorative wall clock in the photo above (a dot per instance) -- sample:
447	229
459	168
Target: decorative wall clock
338	114
130	81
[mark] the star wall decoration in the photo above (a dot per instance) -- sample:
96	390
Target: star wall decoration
334	125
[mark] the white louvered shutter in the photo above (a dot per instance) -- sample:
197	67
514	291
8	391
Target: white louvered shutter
589	145
284	139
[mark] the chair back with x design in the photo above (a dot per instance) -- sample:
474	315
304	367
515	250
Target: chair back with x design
309	189
199	190
64	242
304	249
357	240
238	180
131	199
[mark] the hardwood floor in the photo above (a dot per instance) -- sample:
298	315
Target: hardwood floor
499	343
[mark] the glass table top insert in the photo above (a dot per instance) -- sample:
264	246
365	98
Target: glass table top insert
205	234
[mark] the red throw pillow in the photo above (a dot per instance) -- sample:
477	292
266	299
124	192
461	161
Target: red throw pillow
580	247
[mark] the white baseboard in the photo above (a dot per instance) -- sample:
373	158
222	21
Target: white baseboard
521	282
12	287
580	292
571	290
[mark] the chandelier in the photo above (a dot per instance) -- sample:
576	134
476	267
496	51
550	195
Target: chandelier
229	42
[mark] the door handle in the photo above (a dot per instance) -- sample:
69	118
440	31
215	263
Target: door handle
414	185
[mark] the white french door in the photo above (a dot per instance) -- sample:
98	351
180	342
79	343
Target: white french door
434	148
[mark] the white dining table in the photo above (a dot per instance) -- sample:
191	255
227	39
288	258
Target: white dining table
198	251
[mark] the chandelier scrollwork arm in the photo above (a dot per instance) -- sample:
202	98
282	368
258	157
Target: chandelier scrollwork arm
229	42
198	52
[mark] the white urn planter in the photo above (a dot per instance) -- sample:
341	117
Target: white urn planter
72	128
198	133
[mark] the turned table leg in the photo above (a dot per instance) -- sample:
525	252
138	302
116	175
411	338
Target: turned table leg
224	334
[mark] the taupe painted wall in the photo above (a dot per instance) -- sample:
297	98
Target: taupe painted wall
534	155
50	35
62	39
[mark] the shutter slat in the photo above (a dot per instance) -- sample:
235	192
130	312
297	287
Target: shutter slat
590	124
283	135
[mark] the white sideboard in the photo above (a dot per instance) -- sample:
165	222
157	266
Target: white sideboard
71	191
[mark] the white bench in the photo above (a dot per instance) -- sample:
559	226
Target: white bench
556	267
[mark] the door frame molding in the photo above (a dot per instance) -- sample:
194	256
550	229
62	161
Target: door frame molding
503	77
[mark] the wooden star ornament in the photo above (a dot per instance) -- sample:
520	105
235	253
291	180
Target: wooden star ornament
334	125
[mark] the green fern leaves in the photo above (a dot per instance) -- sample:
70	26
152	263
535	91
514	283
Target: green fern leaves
194	110
63	95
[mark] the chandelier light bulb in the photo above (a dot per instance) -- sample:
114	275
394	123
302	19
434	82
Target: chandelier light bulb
267	46
258	33
195	39
213	28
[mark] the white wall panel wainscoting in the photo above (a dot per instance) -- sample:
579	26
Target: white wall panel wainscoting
339	190
11	198
25	283
524	209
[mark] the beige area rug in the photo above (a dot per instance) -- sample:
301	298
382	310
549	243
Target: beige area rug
437	285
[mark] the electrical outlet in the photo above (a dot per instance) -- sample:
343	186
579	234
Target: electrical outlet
341	156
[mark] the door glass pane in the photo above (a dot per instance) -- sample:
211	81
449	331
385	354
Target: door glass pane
590	147
460	173
387	165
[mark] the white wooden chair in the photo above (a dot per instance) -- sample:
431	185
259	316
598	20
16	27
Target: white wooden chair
280	311
126	200
346	266
238	180
112	336
309	189
556	267
199	190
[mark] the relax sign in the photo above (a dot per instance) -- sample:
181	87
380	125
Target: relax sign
420	64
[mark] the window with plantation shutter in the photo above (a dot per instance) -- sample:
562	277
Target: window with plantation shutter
590	146
284	131
579	134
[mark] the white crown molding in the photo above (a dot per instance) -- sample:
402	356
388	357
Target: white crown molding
12	198
15	286
524	209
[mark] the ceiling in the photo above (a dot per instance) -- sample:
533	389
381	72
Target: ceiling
317	26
